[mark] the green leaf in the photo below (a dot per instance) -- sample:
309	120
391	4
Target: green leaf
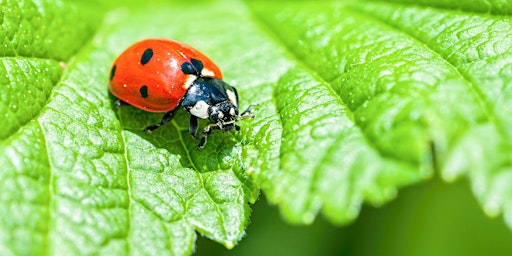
81	176
426	87
479	48
503	7
355	101
317	134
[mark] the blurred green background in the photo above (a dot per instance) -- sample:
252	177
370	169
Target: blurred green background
433	218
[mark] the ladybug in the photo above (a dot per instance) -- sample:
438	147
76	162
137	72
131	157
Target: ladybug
160	75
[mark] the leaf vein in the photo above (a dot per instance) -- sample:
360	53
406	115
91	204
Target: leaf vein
128	190
484	103
51	192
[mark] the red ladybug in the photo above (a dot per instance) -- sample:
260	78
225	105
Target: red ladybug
158	75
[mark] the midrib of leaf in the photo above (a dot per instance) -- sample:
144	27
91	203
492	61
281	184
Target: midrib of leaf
199	175
129	191
182	142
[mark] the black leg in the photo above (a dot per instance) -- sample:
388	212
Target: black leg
192	129
207	130
201	144
165	119
121	103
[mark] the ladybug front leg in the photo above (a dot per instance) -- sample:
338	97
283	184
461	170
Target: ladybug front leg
192	129
207	130
165	119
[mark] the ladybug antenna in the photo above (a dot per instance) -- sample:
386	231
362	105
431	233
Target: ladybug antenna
194	67
249	112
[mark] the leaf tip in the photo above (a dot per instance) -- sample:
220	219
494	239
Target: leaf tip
229	244
308	218
492	207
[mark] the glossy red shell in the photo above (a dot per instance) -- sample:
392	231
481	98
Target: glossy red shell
165	83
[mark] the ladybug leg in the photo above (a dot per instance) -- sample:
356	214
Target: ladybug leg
201	143
207	130
165	119
192	129
121	103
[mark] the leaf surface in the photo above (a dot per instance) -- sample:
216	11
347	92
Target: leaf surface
355	100
427	87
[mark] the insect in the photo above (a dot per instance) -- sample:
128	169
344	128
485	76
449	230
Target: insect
160	75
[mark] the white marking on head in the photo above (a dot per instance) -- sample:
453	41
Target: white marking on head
232	97
232	112
207	73
200	109
188	82
220	115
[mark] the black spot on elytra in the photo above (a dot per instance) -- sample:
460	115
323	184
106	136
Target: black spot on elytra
198	65
146	56
194	67
143	91
113	72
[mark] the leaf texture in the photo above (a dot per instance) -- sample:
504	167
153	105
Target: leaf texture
355	100
420	83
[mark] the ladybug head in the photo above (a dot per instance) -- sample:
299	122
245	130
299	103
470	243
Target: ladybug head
224	115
